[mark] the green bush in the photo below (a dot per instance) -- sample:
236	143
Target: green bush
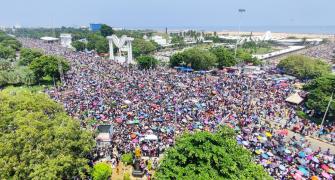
127	159
7	52
101	171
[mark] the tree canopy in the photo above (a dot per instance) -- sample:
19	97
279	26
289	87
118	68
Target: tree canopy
28	55
143	47
101	171
198	59
79	45
320	90
304	67
205	155
225	57
48	66
106	30
38	139
146	62
98	43
8	41
7	52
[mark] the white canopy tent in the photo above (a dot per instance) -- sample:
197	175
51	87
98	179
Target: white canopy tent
49	39
294	98
150	137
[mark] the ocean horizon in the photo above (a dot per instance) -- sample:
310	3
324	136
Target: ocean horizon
329	30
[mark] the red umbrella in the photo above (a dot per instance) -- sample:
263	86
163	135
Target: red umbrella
118	120
325	167
283	132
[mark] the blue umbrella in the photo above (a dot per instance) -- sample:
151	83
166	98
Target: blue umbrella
265	156
303	170
302	154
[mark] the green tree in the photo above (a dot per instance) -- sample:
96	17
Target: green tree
48	66
225	57
13	43
143	47
177	39
106	30
304	67
101	171
205	155
28	55
7	52
320	90
79	45
198	59
38	140
147	62
177	59
102	46
127	159
6	64
93	39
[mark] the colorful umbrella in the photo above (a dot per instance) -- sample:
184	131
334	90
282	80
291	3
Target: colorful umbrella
281	167
265	156
297	176
302	154
246	143
315	159
269	153
268	134
315	178
118	120
258	151
303	170
325	167
326	175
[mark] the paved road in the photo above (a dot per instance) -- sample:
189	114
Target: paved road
315	143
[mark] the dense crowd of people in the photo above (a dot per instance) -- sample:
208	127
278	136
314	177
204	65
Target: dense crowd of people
150	108
324	51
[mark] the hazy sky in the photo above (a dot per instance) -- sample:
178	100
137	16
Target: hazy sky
170	13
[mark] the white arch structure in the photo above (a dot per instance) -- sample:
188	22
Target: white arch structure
124	45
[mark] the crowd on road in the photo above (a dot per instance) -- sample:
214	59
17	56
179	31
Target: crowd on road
324	51
151	108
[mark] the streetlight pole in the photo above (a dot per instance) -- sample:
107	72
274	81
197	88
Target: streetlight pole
325	115
239	29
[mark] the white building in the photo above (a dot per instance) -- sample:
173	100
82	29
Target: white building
66	40
159	40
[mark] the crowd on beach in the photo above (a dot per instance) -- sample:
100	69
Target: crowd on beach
151	108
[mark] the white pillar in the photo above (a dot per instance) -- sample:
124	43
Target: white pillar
66	40
111	50
130	51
